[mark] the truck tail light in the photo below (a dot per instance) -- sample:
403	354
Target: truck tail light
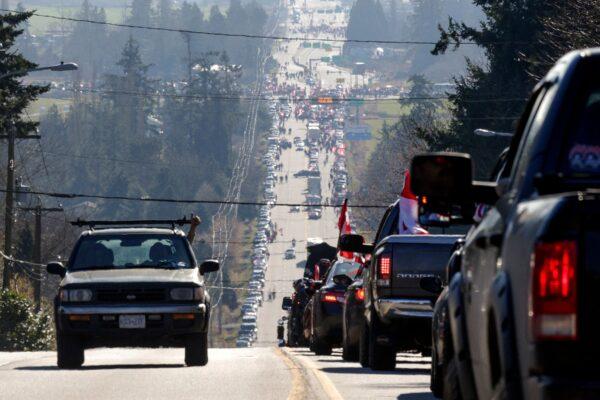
384	270
360	294
553	309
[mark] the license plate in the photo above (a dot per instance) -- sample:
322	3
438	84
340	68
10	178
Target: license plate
340	299
132	321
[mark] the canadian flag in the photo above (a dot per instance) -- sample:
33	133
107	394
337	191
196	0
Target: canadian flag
409	211
345	228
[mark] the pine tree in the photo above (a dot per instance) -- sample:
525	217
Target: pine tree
15	96
506	35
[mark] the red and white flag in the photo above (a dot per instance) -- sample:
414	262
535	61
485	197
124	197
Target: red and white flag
345	227
408	221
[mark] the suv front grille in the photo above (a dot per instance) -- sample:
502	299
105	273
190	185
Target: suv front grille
130	295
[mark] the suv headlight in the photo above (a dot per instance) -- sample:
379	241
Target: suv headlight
76	295
187	294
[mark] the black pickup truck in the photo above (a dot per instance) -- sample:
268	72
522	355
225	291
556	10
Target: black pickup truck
131	286
522	308
397	307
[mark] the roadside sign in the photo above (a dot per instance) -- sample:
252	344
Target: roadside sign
325	100
357	132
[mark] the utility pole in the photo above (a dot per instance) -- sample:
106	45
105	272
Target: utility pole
37	250
9	202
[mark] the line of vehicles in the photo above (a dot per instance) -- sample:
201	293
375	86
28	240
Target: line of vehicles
505	310
266	231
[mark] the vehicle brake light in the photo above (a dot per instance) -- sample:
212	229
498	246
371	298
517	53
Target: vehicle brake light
329	298
360	294
553	310
384	270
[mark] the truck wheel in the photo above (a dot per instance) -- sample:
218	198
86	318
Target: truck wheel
349	353
196	349
363	347
437	383
69	351
381	357
321	347
451	387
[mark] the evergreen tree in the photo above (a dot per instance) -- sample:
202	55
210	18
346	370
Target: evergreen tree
15	96
506	35
87	44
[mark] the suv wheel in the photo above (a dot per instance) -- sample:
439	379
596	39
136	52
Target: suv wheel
381	357
196	349
69	351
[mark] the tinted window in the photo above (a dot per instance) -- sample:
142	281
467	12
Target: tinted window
131	251
581	155
422	257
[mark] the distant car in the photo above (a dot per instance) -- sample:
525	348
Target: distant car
290	254
243	343
295	209
314	214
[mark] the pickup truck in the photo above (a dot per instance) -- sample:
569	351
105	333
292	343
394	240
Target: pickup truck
522	308
397	308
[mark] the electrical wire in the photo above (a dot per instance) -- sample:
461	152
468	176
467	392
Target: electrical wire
182	201
245	35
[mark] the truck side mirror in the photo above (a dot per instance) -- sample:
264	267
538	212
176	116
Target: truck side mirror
56	268
354	243
442	177
286	303
209	266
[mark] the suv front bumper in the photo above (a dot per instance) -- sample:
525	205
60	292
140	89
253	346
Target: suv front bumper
100	323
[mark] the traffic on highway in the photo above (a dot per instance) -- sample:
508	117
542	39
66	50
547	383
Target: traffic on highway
363	220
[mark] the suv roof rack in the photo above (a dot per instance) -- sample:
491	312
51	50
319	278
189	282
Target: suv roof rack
145	222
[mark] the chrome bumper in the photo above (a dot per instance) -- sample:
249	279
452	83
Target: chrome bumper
145	309
400	308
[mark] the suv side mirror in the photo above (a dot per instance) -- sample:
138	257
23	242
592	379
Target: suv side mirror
286	303
342	280
354	243
209	266
56	268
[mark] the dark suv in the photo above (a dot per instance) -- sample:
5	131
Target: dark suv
136	287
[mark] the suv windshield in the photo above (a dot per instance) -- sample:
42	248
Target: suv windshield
131	251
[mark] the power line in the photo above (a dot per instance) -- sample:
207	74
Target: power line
180	201
242	35
277	98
